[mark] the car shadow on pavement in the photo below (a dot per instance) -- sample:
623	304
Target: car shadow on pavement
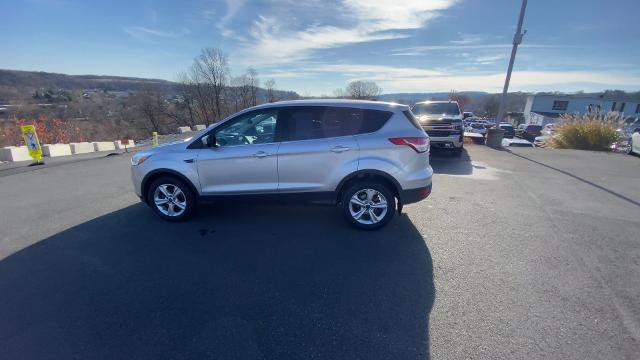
443	161
246	282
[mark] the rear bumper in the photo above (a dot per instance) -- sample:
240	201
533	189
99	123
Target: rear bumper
411	196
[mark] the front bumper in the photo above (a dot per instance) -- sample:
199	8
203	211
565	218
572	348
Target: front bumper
136	179
450	141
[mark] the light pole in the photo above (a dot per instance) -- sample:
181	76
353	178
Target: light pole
496	139
517	40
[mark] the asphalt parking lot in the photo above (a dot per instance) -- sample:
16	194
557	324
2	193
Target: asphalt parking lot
526	253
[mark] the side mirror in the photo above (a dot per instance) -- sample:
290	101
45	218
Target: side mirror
209	140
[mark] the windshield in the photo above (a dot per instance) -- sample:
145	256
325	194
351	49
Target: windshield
477	126
436	108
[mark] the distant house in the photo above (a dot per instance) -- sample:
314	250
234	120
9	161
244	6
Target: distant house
542	109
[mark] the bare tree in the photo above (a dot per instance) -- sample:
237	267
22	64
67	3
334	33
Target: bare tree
270	87
184	108
338	93
212	71
239	92
203	98
363	90
490	105
151	106
254	83
462	100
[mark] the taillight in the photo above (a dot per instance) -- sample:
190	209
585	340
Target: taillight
419	144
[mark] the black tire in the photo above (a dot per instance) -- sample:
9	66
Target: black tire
184	196
630	147
360	187
457	152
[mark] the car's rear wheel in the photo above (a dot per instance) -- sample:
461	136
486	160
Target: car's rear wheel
171	199
629	149
368	205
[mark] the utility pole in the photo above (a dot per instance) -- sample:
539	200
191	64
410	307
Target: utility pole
517	40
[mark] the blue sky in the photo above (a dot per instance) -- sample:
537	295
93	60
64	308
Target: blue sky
316	46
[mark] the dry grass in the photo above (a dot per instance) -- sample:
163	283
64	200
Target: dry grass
586	132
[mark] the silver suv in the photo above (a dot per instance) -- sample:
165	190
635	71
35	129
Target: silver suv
370	158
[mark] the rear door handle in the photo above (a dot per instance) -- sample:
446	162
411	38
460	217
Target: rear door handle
339	149
261	154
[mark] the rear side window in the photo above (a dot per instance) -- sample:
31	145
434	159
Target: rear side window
304	123
409	115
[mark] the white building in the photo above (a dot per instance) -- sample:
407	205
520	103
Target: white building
543	109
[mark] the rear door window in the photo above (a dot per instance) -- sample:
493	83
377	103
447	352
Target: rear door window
317	122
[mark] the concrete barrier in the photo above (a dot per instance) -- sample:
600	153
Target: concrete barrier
81	148
118	144
15	153
53	150
199	127
184	129
103	146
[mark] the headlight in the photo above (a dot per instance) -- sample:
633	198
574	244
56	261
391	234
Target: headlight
138	159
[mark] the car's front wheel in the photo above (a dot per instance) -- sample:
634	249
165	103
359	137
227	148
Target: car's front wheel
368	205
629	149
171	199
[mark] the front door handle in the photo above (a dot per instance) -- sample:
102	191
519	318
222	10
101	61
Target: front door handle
339	149
261	154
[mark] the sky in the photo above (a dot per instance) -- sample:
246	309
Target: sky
316	46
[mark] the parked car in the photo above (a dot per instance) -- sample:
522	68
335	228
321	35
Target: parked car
549	130
540	141
477	128
528	131
509	131
442	120
633	146
370	158
516	142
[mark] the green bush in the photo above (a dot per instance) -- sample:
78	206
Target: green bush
591	131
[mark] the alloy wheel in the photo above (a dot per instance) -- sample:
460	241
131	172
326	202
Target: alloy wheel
170	200
368	206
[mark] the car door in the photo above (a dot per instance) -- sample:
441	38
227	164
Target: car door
244	157
635	141
317	151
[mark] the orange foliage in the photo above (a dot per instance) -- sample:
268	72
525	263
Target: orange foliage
50	131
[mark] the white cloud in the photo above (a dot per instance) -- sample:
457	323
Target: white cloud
376	71
466	39
422	50
489	59
209	15
406	79
280	74
521	81
152	35
271	41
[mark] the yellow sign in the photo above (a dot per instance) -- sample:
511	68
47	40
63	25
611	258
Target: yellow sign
155	138
31	140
